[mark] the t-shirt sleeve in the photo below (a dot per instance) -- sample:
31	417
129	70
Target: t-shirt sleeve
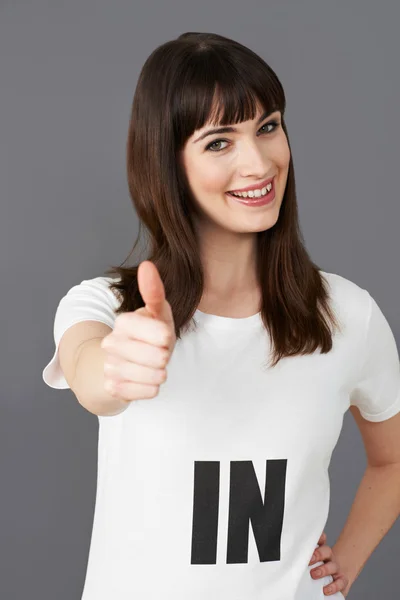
377	390
91	300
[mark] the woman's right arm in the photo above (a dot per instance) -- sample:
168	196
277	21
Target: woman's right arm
132	356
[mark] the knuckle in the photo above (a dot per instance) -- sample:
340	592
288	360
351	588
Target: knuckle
162	375
109	368
153	391
121	321
165	336
164	356
110	387
106	342
111	345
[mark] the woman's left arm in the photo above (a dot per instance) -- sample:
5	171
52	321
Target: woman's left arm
376	504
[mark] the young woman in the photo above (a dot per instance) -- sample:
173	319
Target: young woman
222	367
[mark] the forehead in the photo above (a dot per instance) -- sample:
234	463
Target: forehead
217	111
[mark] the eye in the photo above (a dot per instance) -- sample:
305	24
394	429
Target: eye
274	124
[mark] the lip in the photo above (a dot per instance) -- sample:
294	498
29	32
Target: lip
268	199
254	187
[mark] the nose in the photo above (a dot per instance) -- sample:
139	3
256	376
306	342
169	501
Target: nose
253	162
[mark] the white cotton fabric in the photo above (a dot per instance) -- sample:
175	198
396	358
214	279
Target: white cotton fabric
219	487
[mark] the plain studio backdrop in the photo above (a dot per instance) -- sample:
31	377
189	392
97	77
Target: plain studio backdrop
68	71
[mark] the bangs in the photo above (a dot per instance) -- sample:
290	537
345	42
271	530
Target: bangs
215	91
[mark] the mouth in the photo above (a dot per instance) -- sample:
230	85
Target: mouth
253	188
256	197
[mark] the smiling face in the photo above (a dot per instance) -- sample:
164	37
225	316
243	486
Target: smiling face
217	163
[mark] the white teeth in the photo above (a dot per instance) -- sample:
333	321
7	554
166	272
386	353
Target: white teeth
254	193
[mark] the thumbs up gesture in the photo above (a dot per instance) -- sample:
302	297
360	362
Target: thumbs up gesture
140	346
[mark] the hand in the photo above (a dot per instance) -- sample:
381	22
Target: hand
139	348
325	553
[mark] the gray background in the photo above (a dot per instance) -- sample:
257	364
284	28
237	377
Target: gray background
67	77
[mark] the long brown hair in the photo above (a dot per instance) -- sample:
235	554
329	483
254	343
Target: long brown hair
175	94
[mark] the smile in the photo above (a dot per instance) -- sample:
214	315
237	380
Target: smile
256	193
261	189
257	197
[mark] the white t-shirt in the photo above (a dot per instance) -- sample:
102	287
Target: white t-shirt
218	488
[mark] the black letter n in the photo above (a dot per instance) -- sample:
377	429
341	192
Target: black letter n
246	504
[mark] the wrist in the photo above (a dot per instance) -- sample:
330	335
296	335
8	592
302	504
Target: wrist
346	566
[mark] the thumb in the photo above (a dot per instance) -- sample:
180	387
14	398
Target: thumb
152	290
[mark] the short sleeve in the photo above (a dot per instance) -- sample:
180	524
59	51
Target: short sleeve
91	300
377	390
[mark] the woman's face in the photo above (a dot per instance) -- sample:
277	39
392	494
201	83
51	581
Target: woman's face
219	163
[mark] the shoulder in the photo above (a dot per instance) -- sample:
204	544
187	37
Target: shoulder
97	289
351	302
91	299
345	290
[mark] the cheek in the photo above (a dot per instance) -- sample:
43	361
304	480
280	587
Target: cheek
211	179
283	154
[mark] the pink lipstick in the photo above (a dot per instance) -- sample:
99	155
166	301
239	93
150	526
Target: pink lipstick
262	201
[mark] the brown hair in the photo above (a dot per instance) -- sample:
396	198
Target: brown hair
175	93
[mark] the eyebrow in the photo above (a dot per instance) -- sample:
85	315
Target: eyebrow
231	129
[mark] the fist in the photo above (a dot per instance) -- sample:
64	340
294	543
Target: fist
140	346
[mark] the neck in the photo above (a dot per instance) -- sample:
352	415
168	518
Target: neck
230	283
